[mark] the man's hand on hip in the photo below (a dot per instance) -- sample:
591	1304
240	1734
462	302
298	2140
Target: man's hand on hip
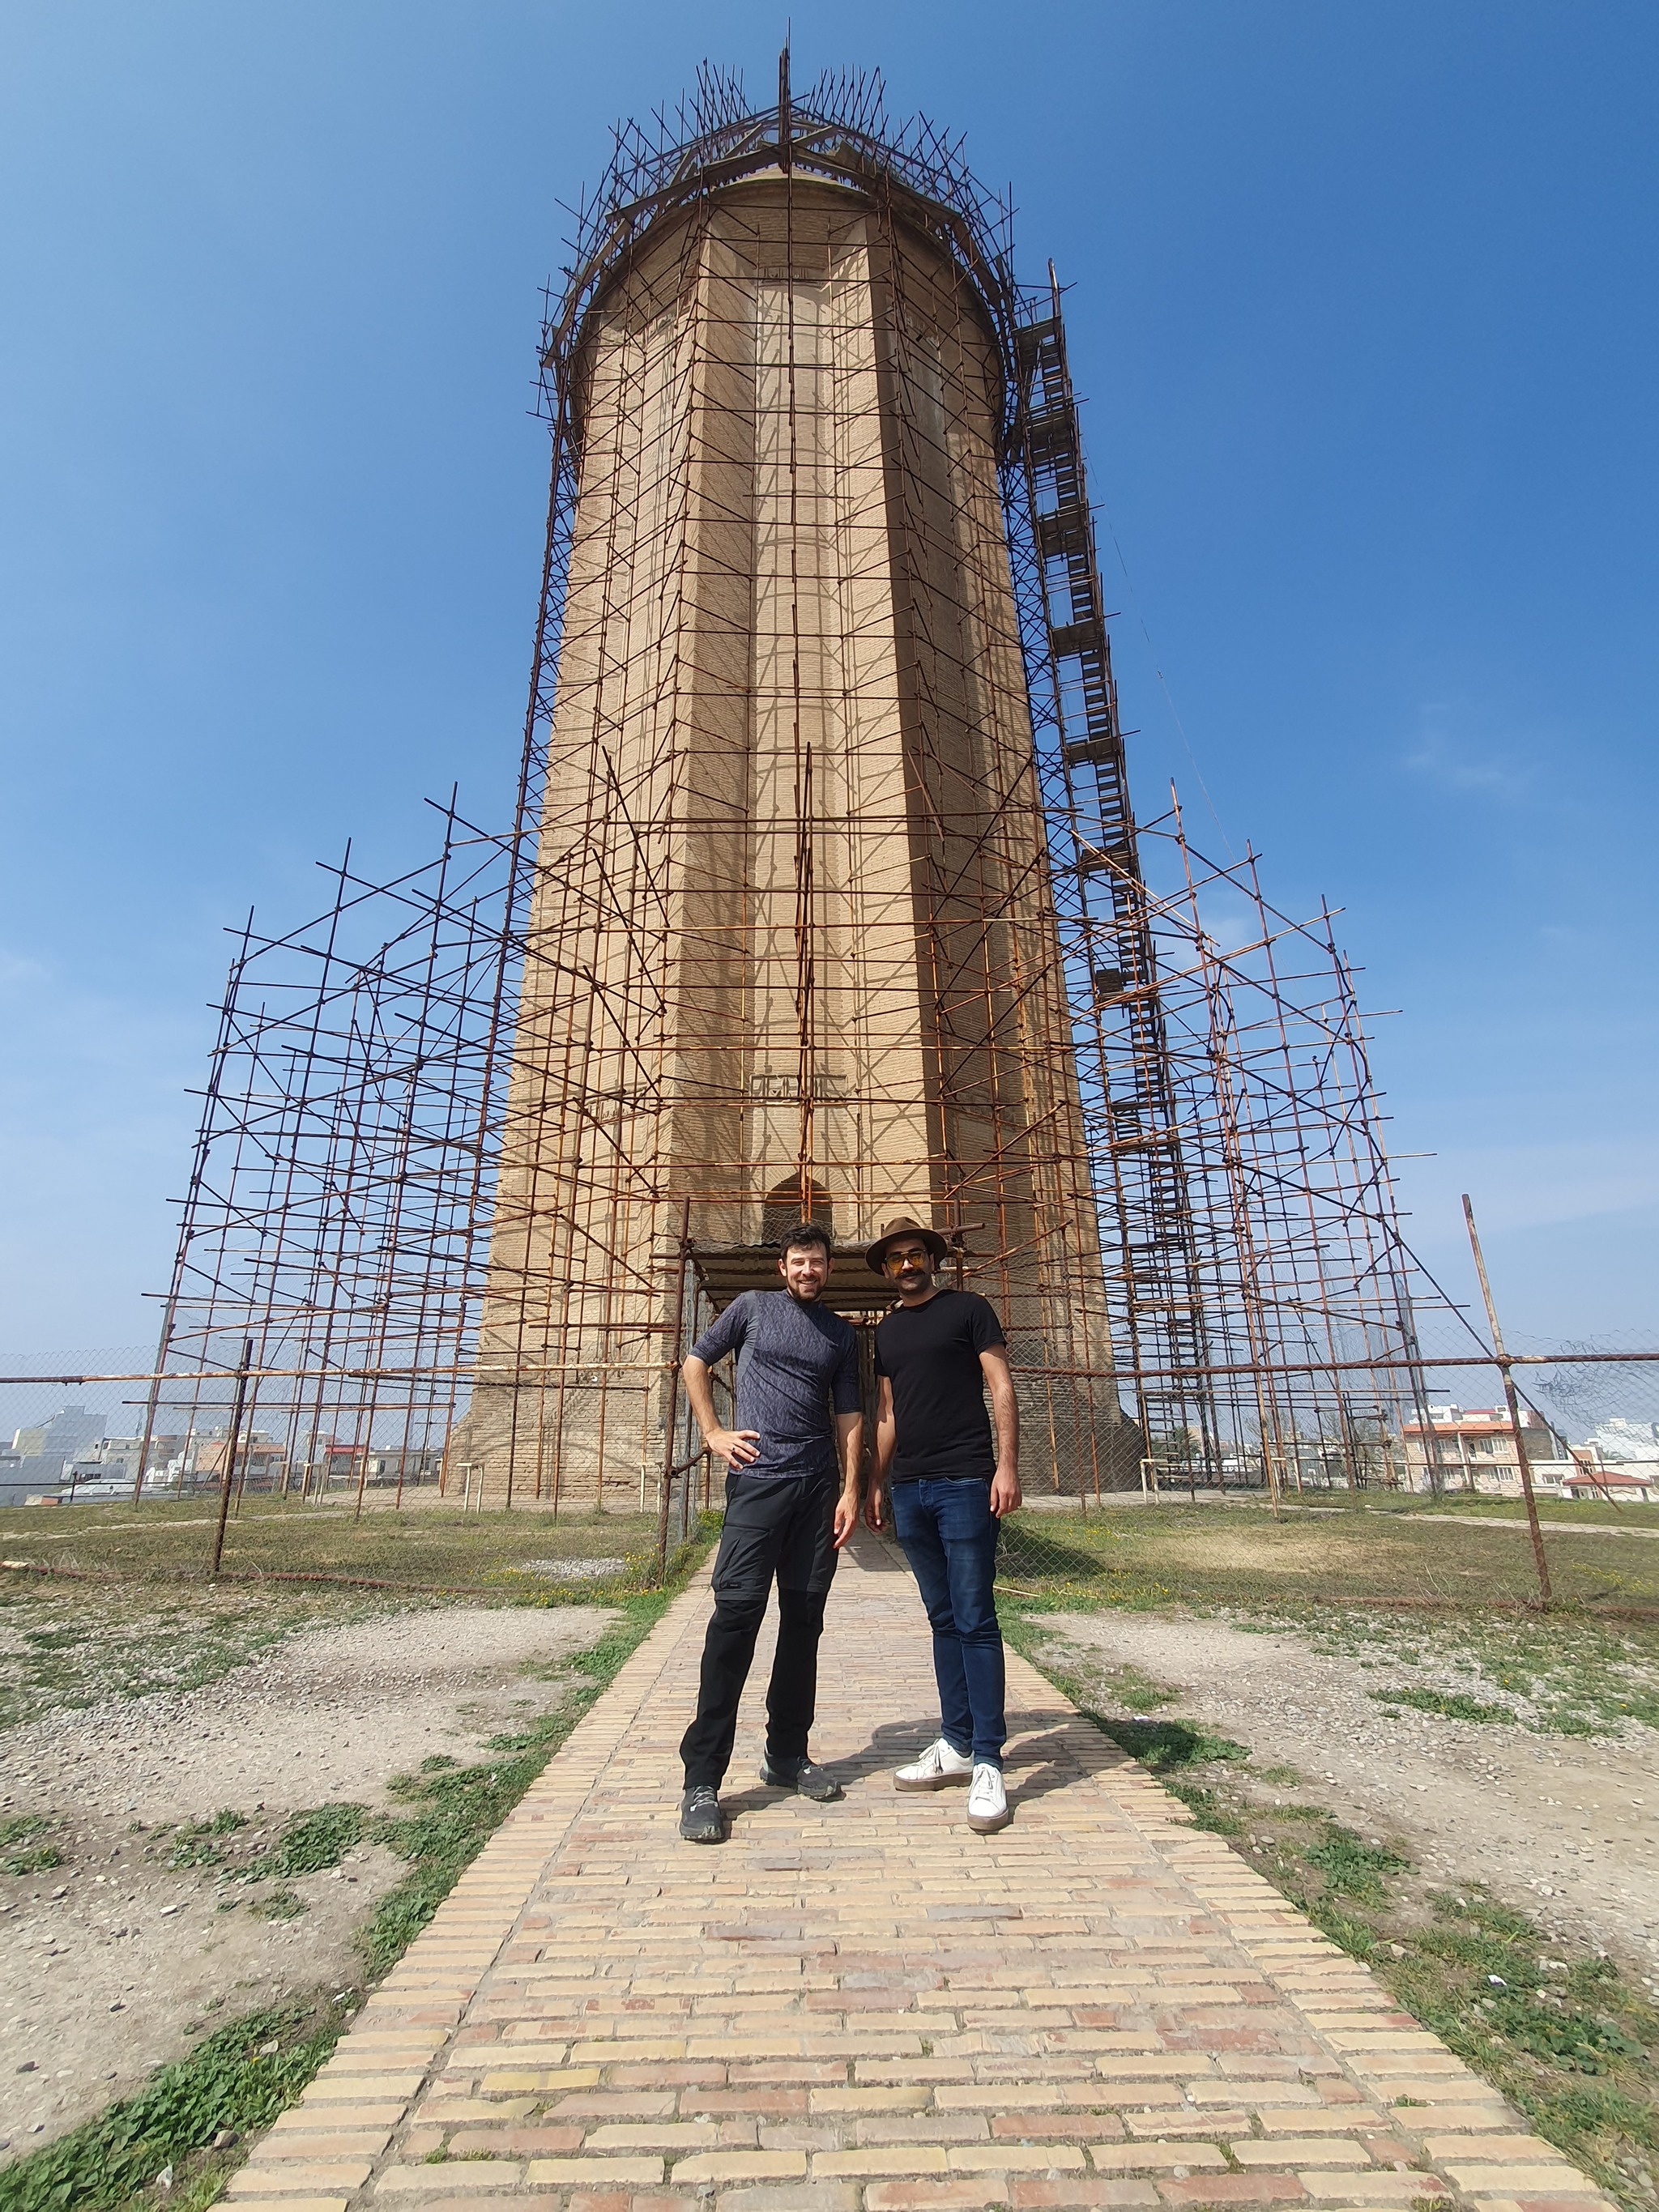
1006	1496
737	1447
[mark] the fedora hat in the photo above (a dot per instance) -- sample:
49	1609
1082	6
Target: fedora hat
875	1258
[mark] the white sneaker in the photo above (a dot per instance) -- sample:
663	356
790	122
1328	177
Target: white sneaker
938	1765
987	1801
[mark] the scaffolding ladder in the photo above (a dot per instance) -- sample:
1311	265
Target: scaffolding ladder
1124	1060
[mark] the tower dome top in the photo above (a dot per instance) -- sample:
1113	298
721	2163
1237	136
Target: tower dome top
837	132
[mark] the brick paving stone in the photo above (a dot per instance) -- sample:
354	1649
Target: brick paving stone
1057	2127
1369	2189
740	2165
563	2172
290	2203
1234	2189
1014	2158
1562	2202
932	2196
1228	2120
1154	2157
781	2196
865	2008
1027	2196
317	2176
1556	2179
1470	2117
1321	2152
419	2184
366	2143
1527	2150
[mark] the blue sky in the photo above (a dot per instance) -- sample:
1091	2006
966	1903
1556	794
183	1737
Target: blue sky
1363	307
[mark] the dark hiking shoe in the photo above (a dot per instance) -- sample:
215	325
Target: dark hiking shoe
701	1820
814	1782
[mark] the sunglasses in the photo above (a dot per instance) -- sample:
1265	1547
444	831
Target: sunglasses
915	1255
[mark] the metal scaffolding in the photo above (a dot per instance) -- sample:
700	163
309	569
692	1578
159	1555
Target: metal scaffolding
341	1184
476	1153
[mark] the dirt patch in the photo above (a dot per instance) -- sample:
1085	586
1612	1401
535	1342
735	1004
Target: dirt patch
1564	1827
117	1959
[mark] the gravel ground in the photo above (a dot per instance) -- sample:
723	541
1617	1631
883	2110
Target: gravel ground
1560	1827
114	1963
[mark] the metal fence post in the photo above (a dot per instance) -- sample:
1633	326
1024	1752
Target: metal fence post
229	1479
1514	1405
672	1417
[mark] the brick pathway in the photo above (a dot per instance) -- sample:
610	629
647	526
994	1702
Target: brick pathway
866	2007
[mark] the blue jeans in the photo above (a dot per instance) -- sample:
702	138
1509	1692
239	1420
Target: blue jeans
950	1538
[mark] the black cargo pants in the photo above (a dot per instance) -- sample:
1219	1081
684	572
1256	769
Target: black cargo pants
775	1525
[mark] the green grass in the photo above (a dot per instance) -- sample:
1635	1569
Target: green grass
199	1842
23	1848
1135	1691
1439	1597
1565	2037
428	1545
148	1621
1561	1676
1168	1747
236	2080
278	1905
1451	1705
241	2076
312	1842
72	1646
1561	1511
1351	1867
1142	1555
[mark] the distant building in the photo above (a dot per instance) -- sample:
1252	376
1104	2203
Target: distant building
66	1436
106	1471
258	1466
1473	1449
117	1457
1625	1443
35	1465
1635	1484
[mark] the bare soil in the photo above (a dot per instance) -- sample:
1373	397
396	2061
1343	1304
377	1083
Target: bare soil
1562	1828
116	1962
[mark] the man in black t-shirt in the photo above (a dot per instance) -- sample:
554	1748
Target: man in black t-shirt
951	1486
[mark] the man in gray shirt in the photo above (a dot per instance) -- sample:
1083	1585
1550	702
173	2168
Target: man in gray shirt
788	1511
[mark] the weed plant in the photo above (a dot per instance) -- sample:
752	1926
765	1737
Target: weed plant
23	1848
236	2080
1451	1705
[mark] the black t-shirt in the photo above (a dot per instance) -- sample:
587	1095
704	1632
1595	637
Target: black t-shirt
930	1354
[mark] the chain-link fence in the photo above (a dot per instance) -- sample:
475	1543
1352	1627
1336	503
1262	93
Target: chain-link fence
1446	1453
1424	1504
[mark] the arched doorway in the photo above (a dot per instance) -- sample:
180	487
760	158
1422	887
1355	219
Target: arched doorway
796	1199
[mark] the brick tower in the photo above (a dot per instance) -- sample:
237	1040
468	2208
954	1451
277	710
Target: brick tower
790	943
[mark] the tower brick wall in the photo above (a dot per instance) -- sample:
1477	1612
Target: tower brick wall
793	933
